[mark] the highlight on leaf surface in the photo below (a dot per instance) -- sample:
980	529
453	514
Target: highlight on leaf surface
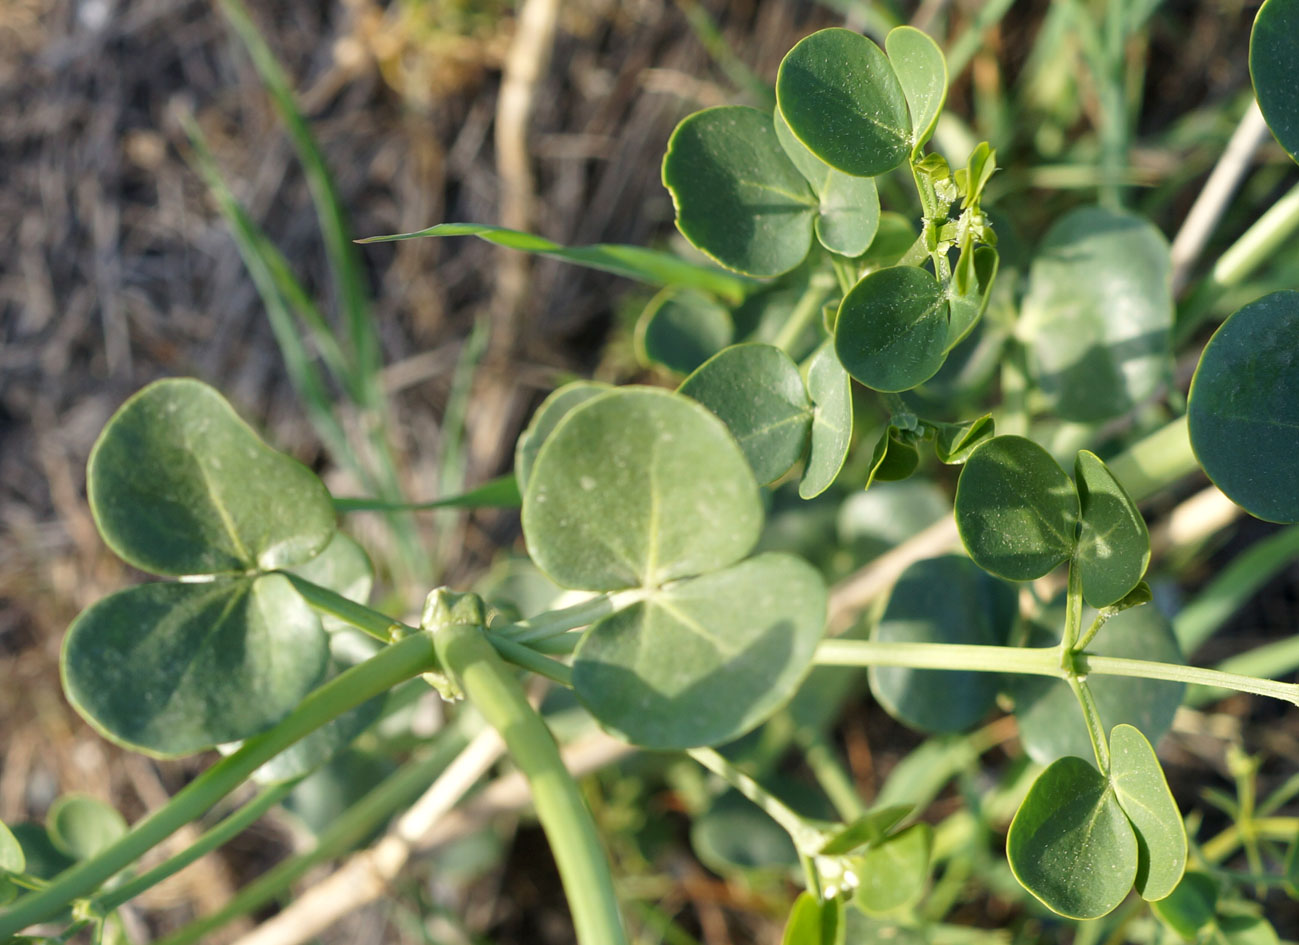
1098	313
1243	411
1016	509
891	330
702	661
180	485
172	669
739	199
842	99
636	487
757	392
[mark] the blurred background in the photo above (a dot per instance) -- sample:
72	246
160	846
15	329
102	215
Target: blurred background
144	163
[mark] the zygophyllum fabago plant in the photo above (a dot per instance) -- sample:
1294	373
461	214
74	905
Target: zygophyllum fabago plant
259	638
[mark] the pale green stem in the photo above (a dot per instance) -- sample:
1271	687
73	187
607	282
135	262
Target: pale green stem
218	836
1192	675
807	839
1036	661
387	668
1072	614
492	688
1220	847
805	313
556	622
527	658
1156	460
1102	617
1092	719
366	619
824	764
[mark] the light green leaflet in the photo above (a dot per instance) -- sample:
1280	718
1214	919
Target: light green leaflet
843	100
637	487
891	330
739	199
1113	542
894	458
212	497
171	669
553	409
757	392
967	308
813	922
80	825
1143	794
922	72
1243	413
893	874
633	262
1274	67
703	661
1016	509
683	328
1191	905
873	827
11	852
942	600
954	442
830	388
849	211
1098	312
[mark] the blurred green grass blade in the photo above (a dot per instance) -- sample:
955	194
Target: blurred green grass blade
1237	583
454	459
723	54
261	260
963	48
633	262
500	493
345	263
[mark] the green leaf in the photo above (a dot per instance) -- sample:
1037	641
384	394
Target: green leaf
326	796
172	669
1050	724
80	825
1098	312
735	834
345	569
637	487
499	493
891	330
683	328
849	212
757	392
843	100
922	72
11	852
1070	844
739	198
552	410
813	922
896	235
346	649
870	828
633	262
1143	793
1243	413
44	859
942	600
954	442
1274	67
1113	543
967	308
1016	509
703	661
1189	907
178	484
894	873
894	458
830	388
1242	930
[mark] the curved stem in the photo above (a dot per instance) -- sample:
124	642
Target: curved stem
219	835
491	686
807	839
557	622
1092	719
366	619
806	311
387	668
